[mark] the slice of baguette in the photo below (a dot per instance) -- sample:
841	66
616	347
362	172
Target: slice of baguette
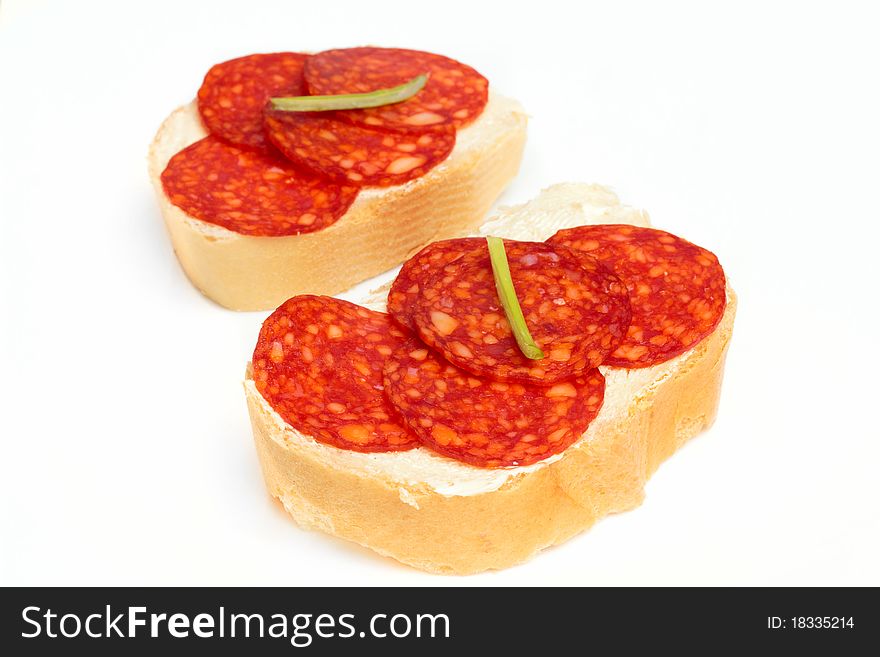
380	230
444	516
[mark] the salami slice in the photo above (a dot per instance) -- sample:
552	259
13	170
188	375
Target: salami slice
250	192
455	94
232	97
405	289
488	423
356	155
577	312
319	363
677	290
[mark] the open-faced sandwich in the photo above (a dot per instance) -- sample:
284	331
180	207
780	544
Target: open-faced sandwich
504	393
294	173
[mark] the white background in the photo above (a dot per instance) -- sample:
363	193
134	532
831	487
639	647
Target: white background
751	129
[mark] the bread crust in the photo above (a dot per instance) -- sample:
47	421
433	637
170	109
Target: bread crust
647	416
379	231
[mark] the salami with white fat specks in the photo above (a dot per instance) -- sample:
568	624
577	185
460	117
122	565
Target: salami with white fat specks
405	289
355	155
234	93
319	363
677	290
488	423
250	192
576	310
454	95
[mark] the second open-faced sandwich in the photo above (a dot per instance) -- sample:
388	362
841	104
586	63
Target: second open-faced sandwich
307	173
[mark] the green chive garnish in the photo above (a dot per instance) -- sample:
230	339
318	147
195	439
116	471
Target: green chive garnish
507	294
351	101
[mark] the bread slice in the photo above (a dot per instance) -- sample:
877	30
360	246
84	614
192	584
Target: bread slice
380	230
444	516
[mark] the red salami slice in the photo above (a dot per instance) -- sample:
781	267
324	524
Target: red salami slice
405	288
455	94
576	310
677	290
356	155
250	192
488	423
319	364
232	97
